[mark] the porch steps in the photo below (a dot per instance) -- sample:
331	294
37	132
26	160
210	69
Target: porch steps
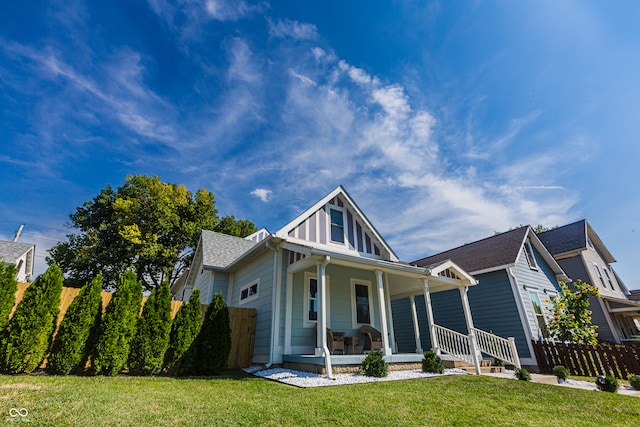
485	366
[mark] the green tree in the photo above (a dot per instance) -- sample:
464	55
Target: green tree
184	331
8	288
214	340
571	317
152	335
27	337
72	344
145	224
118	327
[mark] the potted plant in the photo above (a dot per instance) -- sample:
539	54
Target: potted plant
561	373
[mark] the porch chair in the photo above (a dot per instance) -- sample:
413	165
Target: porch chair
372	338
335	340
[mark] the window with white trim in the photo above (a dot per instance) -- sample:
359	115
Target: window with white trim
361	303
312	299
599	275
249	292
537	309
531	259
336	217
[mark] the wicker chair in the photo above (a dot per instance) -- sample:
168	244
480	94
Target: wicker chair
335	340
372	338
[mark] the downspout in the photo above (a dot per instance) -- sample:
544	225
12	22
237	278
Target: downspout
275	302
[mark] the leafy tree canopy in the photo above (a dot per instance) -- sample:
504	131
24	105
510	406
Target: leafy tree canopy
145	224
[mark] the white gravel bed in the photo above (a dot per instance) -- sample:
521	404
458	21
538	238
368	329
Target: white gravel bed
308	379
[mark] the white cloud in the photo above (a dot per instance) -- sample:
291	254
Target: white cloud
262	194
232	10
293	29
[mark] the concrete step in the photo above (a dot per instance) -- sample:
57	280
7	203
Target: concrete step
457	363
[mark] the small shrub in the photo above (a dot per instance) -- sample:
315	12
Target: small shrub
374	365
522	374
432	363
73	342
608	383
497	362
561	372
634	380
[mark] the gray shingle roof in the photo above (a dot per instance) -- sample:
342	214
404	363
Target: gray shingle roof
564	239
220	250
494	251
11	251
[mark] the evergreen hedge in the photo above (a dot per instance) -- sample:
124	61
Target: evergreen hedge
184	331
73	341
8	288
152	335
214	340
27	337
119	326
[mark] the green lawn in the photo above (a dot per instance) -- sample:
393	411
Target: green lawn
238	399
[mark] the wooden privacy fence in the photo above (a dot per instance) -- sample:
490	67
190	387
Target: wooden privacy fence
242	320
588	360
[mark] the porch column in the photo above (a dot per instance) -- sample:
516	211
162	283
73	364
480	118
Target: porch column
383	315
469	320
432	329
288	314
322	315
416	326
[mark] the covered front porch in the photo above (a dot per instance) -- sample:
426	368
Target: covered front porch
392	280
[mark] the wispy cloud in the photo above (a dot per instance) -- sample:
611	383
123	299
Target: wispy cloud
233	10
293	29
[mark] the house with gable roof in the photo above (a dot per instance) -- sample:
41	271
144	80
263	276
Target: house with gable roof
21	255
583	255
516	276
328	269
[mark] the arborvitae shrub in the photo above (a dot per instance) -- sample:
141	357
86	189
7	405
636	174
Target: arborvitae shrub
184	331
8	288
214	339
634	380
27	337
72	343
432	363
374	365
152	334
119	325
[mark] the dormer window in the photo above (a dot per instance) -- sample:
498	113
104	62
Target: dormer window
606	273
531	259
599	275
337	225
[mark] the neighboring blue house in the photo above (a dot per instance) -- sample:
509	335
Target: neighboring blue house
328	268
516	277
581	253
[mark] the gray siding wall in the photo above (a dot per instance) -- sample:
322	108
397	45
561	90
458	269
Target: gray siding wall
260	268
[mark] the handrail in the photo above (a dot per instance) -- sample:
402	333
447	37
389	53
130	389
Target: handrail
498	347
454	343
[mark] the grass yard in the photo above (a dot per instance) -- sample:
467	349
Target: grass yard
239	399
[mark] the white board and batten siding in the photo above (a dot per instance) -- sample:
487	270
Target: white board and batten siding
358	237
258	270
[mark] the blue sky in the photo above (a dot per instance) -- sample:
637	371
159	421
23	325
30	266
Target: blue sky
444	120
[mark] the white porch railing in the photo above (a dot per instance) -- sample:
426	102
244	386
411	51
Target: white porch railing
498	347
454	343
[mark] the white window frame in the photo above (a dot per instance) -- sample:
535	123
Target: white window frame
606	273
541	315
306	323
249	297
330	225
354	313
530	255
599	275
